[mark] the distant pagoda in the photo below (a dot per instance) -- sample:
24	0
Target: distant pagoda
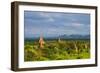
41	42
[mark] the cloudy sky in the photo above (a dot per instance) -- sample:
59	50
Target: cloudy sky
55	24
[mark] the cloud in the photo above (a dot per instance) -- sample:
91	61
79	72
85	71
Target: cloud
77	24
47	16
47	23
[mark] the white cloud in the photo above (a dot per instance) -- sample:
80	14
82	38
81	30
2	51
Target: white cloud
77	24
47	16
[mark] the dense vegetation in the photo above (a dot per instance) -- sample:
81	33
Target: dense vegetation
56	50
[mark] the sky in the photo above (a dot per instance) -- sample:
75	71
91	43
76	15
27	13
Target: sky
51	24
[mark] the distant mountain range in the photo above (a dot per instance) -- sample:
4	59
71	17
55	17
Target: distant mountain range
74	36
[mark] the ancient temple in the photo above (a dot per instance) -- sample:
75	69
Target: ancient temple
41	42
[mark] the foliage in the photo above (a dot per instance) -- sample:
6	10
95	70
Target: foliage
54	50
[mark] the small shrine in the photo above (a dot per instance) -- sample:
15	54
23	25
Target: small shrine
59	40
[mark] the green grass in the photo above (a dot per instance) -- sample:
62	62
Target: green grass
54	50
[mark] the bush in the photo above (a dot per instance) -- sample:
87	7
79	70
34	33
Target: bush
54	50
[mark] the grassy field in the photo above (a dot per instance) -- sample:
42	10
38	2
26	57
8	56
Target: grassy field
55	50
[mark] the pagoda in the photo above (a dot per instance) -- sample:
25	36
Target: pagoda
41	42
